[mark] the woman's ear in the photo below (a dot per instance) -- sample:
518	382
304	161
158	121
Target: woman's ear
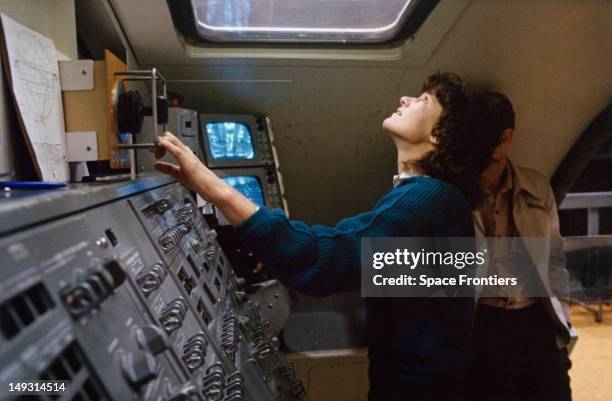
433	139
507	136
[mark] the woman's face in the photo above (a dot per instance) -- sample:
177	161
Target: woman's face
414	120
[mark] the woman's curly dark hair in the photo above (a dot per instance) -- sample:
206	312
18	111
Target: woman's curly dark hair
459	156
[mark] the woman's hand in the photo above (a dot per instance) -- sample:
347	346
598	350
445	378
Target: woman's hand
192	173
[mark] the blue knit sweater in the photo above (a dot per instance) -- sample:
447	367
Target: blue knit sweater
422	342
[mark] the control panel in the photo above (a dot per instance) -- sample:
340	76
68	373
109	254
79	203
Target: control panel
134	299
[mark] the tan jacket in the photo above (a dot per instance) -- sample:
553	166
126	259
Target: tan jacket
534	211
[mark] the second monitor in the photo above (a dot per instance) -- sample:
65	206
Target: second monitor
260	184
236	140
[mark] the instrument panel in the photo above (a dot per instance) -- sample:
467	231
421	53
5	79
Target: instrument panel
134	299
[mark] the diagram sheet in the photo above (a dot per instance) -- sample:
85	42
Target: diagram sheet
35	85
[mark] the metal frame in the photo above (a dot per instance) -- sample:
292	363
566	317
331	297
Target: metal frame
144	75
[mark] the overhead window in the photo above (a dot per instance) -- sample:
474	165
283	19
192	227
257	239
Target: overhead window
320	21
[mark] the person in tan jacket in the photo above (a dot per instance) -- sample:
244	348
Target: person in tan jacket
520	337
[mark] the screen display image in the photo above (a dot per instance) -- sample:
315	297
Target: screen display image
249	187
230	140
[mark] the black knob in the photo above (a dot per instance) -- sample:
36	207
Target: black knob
139	371
152	339
116	272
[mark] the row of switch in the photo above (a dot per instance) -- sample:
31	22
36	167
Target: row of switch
233	387
206	245
263	144
159	207
229	332
213	383
294	386
216	386
261	348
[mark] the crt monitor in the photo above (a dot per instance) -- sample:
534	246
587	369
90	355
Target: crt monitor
249	186
232	140
260	184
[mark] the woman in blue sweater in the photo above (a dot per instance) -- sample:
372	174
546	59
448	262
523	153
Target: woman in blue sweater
418	347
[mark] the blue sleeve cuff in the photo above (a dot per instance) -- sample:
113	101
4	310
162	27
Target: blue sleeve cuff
259	224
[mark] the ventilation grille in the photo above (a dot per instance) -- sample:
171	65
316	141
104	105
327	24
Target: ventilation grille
70	365
23	309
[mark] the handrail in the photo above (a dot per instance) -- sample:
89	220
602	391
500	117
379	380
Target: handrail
587	200
592	201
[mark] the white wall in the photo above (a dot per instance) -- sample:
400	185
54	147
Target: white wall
52	18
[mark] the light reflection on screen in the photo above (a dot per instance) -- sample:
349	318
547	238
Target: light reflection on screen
230	140
249	187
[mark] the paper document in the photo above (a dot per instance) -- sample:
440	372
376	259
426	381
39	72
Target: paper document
34	81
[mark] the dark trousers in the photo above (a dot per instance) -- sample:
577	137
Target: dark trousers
516	357
437	392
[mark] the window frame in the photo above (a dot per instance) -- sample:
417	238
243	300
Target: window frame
184	21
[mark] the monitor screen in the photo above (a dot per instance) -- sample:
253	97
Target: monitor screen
248	186
230	140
